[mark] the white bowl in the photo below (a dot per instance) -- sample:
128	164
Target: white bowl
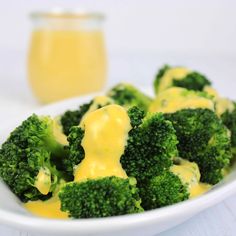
148	223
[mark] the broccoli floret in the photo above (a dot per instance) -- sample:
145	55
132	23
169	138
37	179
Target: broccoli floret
193	81
203	139
109	196
128	96
76	151
150	148
179	77
163	190
73	118
26	156
229	120
136	116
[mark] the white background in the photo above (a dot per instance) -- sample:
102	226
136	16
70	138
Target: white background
140	36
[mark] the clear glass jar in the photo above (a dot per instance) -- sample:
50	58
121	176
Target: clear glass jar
67	55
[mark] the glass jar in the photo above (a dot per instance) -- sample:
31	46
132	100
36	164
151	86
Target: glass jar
67	55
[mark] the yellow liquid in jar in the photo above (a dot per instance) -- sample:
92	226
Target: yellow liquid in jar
66	63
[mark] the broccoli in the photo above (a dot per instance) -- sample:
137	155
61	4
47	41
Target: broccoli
25	159
179	77
150	148
128	96
73	118
229	120
103	197
174	99
76	151
203	139
163	190
136	116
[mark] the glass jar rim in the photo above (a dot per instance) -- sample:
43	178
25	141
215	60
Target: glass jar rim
67	14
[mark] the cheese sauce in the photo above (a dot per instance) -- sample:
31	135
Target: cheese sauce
221	104
175	99
99	101
105	137
189	173
48	209
43	181
176	73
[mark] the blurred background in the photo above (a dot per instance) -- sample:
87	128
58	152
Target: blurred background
140	37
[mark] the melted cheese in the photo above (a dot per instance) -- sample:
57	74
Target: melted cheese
43	181
221	104
210	91
105	137
176	73
48	209
99	101
189	173
175	99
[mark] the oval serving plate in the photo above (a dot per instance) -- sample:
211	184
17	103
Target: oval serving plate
148	223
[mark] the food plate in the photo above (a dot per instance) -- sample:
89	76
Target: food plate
148	223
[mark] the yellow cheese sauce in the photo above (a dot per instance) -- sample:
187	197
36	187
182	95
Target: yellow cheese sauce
189	173
105	137
48	209
43	181
221	104
176	73
99	101
175	99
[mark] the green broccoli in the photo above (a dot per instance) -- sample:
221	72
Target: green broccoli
73	118
150	148
76	151
163	190
25	159
203	139
229	120
179	77
108	196
128	96
136	116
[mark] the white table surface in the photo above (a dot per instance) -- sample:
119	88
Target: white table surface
16	98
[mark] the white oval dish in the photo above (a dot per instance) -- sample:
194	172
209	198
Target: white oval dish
148	223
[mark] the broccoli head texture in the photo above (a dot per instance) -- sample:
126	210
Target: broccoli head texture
109	196
136	116
203	139
26	152
76	151
192	81
163	190
127	95
73	118
150	148
229	120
